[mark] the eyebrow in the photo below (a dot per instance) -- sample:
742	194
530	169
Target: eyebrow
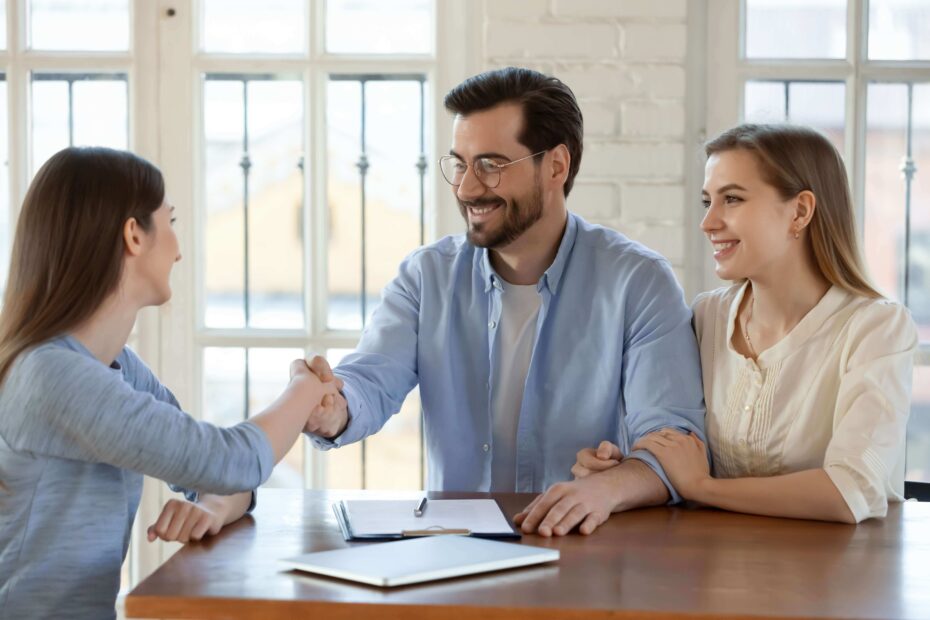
726	188
480	155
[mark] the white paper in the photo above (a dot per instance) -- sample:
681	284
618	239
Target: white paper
373	517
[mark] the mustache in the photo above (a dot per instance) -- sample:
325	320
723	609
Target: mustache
481	202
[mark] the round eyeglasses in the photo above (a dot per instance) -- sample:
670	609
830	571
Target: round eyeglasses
486	170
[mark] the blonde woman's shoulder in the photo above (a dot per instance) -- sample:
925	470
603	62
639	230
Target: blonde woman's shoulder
710	303
883	322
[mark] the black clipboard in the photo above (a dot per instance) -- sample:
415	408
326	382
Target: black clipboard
345	526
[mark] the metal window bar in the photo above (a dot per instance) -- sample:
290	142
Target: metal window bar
363	166
70	79
245	164
909	169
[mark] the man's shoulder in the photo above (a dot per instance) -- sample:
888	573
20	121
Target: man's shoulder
441	254
606	245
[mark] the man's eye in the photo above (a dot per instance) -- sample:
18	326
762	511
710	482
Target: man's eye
459	166
486	165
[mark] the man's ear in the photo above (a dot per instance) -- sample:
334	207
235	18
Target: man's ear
560	162
132	237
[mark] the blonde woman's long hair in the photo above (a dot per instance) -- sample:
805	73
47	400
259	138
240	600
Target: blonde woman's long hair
794	159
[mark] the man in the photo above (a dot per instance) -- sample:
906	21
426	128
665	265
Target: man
534	335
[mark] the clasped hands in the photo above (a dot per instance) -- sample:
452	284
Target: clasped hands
588	500
329	417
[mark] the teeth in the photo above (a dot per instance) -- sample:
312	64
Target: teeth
723	246
477	211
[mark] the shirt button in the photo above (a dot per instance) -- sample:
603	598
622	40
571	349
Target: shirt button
492	324
485	447
747	408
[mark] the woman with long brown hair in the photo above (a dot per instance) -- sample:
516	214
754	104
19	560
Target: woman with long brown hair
807	369
81	417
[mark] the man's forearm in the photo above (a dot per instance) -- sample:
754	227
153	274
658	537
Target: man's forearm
231	507
635	485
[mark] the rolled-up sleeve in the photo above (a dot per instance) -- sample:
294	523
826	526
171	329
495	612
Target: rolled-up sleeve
381	372
661	367
865	456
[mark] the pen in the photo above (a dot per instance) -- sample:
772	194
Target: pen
420	509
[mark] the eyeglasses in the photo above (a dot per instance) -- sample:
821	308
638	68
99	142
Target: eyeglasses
486	169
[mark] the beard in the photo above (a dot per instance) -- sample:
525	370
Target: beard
518	216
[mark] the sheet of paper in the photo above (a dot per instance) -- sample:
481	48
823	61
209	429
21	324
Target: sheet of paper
372	517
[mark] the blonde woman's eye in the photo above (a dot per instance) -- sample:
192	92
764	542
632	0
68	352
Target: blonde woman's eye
732	199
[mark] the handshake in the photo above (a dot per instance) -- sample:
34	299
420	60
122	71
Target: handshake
315	382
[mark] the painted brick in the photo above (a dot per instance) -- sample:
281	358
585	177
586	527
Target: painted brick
625	160
653	202
600	81
594	201
517	9
519	40
648	118
600	119
669	241
654	42
622	8
662	80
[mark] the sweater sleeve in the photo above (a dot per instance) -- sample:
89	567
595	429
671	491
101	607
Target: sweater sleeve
872	407
59	403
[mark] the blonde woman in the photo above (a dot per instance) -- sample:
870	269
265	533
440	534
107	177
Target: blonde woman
807	369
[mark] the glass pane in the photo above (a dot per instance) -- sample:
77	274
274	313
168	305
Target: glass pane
821	105
392	209
224	385
918	428
378	27
342	467
343	192
276	200
77	110
224	266
246	26
79	25
393	458
886	196
272	243
3	25
795	29
899	29
6	224
224	395
268	376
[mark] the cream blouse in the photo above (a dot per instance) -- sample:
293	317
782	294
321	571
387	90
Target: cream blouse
833	394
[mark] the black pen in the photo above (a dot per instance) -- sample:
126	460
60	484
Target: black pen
420	509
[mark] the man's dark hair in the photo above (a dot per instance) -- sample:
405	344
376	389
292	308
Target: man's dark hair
550	113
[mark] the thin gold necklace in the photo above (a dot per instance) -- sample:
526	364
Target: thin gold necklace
752	349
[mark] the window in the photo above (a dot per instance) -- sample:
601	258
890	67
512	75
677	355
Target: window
858	71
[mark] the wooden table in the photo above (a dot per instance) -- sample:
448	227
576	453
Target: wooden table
653	563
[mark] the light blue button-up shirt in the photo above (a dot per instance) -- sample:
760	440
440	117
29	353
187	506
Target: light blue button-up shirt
615	358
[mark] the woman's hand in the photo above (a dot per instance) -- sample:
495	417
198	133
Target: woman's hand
329	412
184	521
590	461
683	458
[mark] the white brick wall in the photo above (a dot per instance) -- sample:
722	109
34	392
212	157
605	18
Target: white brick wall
625	61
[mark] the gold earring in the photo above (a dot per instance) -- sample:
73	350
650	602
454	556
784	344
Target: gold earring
797	233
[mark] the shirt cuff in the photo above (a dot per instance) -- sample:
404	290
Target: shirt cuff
191	496
649	459
848	487
352	432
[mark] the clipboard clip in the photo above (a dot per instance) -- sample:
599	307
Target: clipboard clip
434	530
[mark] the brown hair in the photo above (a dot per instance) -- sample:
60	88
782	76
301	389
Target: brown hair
68	250
551	115
796	159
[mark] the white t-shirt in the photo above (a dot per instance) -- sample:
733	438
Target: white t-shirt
515	339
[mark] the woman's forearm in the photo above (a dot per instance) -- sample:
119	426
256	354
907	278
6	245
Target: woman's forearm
284	419
808	494
230	507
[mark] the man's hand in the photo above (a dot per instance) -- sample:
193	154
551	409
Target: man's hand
590	461
682	457
565	505
330	417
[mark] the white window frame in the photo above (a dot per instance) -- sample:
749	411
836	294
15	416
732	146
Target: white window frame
180	69
729	70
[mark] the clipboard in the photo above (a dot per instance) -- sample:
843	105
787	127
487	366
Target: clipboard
427	529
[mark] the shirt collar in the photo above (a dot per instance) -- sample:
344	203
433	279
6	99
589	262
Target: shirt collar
552	276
